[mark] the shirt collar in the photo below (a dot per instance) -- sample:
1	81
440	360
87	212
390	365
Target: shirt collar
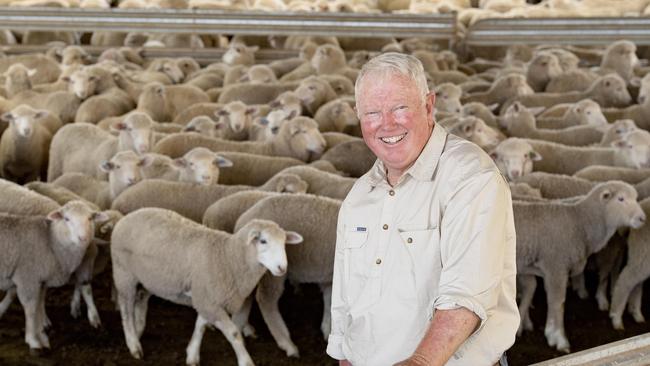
424	166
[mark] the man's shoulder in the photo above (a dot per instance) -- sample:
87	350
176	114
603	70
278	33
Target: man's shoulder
462	159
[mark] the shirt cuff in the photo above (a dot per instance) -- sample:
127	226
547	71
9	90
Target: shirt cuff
450	302
335	347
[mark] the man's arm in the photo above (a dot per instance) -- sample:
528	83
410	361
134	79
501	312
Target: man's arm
339	307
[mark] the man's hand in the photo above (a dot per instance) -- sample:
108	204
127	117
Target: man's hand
415	360
344	363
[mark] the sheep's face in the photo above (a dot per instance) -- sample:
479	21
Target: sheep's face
203	125
260	74
136	132
586	112
74	55
514	158
18	74
304	138
171	69
76	222
237	115
476	131
448	98
272	122
188	66
290	183
622	127
644	89
201	165
124	170
621	206
269	241
239	54
613	91
622	58
517	114
545	66
82	83
24	120
328	58
635	148
513	85
345	118
105	229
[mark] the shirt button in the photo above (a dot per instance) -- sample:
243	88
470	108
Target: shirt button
385	227
409	240
378	261
391	192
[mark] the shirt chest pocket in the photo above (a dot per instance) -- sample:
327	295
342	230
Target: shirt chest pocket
355	248
423	247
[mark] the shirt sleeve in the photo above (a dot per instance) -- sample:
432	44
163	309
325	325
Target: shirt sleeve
339	307
473	232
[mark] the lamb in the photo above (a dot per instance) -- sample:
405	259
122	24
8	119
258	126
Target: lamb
448	98
480	110
298	138
475	130
80	147
519	121
611	205
165	66
223	214
557	186
236	119
259	74
541	69
629	285
191	200
48	70
17	79
311	263
617	131
523	191
124	170
24	148
239	54
164	103
620	57
204	125
600	173
57	244
515	158
571	80
502	89
322	183
340	154
639	113
195	110
584	112
19	200
199	165
222	270
252	169
113	102
337	115
25	112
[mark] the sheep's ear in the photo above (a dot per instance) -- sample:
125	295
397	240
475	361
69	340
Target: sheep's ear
536	110
220	112
635	82
606	195
293	238
253	48
517	107
621	144
106	166
189	129
293	129
40	113
119	126
275	104
55	216
253	236
146	161
66	79
222	162
100	217
468	128
291	115
250	110
494	155
180	162
493	107
534	155
7	117
31	72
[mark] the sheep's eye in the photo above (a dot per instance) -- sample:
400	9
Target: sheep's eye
66	219
263	241
588	113
621	199
274	130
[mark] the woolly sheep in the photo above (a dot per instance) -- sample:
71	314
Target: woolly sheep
502	89
611	205
236	118
481	111
448	98
164	103
637	112
572	80
620	57
337	115
191	200
616	131
599	173
195	110
48	70
584	112
515	158
334	138
239	54
17	79
19	200
541	69
340	154
222	268
199	165
80	147
56	244
265	128
322	183
519	121
557	186
298	138
475	130
223	214
25	112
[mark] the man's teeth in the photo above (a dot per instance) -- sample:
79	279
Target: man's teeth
392	140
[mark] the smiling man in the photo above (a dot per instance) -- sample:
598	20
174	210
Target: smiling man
425	269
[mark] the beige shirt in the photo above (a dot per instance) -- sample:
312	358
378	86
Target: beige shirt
442	238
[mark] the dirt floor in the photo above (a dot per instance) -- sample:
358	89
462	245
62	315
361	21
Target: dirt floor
169	328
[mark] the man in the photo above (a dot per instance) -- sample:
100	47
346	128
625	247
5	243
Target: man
425	268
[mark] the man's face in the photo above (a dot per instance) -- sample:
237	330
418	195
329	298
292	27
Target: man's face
395	120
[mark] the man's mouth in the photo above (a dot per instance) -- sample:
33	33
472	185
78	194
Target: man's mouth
393	139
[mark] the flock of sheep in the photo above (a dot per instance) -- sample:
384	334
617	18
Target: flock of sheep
192	180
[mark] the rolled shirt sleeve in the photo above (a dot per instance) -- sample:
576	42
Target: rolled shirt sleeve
473	244
339	308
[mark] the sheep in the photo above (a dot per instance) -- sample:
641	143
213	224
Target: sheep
571	80
340	154
628	287
114	102
591	221
24	148
337	115
475	130
448	98
639	113
164	103
557	186
19	200
541	69
608	91
195	110
48	70
515	158
312	263
72	146
255	170
124	170
523	191
167	67
616	131
199	165
298	138
502	89
223	214
481	111
265	128
191	200
519	121
239	54
600	173
289	102
236	119
205	126
56	245
25	112
17	79
259	74
334	138
620	57
584	112
322	183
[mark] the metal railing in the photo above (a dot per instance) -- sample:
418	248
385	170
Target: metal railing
432	26
574	31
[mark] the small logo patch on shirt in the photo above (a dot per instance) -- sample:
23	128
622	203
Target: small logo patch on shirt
360	228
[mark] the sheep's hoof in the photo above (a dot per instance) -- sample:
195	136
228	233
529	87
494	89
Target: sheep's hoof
75	311
137	354
583	294
249	331
95	321
638	317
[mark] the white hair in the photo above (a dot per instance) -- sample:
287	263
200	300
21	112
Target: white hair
397	63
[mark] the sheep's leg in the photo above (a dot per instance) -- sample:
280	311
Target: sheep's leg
126	293
92	313
634	304
631	276
29	300
578	285
601	292
326	323
141	307
555	285
75	303
240	318
229	329
194	348
268	294
40	318
10	295
528	284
